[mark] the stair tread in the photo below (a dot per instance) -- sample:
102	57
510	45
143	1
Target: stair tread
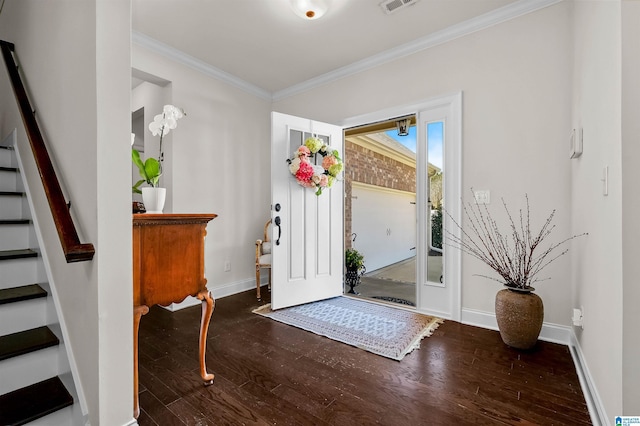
17	254
18	294
12	193
32	402
23	342
15	221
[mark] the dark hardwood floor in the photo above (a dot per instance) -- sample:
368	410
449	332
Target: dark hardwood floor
271	373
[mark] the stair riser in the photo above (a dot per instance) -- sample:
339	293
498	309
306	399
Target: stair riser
8	180
14	237
28	369
17	272
10	207
7	158
23	315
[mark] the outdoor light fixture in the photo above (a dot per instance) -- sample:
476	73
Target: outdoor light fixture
309	9
403	126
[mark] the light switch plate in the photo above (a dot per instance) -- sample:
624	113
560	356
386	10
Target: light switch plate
575	143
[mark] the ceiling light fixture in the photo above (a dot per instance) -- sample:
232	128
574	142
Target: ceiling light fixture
309	9
403	126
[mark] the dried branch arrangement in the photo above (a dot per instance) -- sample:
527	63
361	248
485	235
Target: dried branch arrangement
517	255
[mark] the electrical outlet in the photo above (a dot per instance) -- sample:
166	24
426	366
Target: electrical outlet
482	197
578	317
227	266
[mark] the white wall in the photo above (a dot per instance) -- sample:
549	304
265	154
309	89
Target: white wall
630	206
220	164
114	247
597	278
75	58
516	79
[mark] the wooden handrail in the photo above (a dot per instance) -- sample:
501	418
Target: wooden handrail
74	250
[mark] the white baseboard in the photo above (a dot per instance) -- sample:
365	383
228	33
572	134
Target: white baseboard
224	290
592	397
236	287
188	302
436	313
554	333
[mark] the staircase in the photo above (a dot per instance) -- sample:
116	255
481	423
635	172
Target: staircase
36	386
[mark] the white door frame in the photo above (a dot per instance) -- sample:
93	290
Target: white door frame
449	303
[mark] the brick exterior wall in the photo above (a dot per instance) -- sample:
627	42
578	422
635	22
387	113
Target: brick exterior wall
366	166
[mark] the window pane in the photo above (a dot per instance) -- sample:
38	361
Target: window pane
435	173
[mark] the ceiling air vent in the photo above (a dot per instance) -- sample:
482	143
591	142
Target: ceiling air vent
392	6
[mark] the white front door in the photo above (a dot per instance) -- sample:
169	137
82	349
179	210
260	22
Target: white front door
307	239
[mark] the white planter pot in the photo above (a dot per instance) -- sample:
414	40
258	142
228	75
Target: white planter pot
153	199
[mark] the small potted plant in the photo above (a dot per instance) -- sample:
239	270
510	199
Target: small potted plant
354	262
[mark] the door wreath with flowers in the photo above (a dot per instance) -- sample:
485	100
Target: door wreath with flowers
303	165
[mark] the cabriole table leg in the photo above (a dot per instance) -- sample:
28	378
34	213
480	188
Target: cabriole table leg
207	309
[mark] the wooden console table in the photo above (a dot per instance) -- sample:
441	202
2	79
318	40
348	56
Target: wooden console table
168	265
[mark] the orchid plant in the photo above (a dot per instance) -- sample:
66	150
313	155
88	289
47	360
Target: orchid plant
151	168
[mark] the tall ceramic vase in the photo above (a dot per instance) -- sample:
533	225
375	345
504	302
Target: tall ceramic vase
153	199
519	315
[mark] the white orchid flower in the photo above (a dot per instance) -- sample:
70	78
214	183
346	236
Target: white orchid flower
168	120
170	123
173	112
157	127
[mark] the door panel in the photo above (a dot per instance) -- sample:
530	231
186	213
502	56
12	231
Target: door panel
308	263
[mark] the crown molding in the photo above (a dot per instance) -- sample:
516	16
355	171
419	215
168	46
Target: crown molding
179	56
478	23
510	11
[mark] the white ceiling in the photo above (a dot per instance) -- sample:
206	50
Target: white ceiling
263	43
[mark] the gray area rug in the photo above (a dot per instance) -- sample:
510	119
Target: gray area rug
380	329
